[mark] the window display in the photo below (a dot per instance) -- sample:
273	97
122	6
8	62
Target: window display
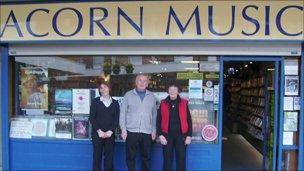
55	96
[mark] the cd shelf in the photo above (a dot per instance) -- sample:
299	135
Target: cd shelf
247	105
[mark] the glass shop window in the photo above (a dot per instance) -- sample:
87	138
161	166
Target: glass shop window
53	93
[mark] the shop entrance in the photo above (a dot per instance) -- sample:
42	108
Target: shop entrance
250	113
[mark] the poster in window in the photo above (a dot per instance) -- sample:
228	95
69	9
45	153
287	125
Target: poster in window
63	127
81	128
291	85
39	127
291	67
287	138
21	129
34	88
296	103
288	103
195	89
81	101
63	101
202	113
216	94
208	94
290	121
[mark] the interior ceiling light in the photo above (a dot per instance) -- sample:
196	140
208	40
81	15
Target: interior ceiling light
190	62
195	68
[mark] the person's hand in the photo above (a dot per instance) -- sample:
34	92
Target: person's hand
188	140
109	134
124	134
101	134
153	136
162	140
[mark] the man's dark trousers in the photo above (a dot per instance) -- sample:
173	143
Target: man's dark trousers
143	141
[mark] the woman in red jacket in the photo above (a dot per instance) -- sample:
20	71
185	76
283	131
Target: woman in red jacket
174	127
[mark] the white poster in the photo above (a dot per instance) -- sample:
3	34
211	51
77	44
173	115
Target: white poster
216	94
81	101
195	89
296	103
287	138
21	129
291	67
39	127
208	94
288	103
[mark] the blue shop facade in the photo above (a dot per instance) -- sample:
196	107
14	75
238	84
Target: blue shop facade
53	54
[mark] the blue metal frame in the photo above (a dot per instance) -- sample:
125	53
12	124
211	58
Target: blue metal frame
5	111
220	118
275	59
279	161
276	119
301	127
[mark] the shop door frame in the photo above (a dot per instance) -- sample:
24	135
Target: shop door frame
4	106
278	60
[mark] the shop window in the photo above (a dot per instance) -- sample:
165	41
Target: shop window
53	93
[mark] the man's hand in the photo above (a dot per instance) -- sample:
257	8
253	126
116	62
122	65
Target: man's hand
162	140
153	136
124	134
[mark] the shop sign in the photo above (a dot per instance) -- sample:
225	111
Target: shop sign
189	76
212	76
153	20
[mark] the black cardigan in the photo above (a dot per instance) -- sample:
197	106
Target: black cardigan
102	117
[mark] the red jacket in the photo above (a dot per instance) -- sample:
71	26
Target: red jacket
165	113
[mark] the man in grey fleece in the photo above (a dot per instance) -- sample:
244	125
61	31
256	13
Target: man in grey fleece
138	122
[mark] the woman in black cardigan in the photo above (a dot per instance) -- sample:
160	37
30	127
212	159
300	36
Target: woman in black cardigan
104	117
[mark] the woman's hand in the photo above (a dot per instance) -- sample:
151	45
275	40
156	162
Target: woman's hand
101	134
188	140
108	134
162	140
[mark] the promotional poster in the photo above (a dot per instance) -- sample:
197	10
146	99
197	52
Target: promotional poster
34	88
81	128
63	101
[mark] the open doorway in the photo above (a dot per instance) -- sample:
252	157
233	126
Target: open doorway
249	115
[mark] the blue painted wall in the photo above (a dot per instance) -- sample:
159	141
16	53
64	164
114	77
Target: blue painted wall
30	154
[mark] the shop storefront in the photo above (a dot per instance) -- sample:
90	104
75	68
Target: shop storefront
54	54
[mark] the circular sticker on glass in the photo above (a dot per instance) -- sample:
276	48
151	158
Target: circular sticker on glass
209	132
209	84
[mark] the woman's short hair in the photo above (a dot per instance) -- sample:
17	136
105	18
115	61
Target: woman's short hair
173	85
